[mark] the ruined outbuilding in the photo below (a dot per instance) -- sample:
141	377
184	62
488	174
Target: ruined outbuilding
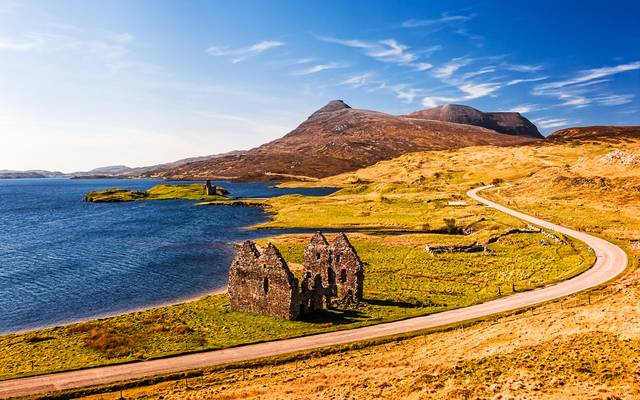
263	284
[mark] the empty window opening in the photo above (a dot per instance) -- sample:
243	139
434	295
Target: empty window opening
265	285
331	276
343	275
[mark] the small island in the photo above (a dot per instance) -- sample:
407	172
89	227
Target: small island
193	191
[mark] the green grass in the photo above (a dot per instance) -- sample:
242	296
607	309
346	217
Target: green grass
402	280
386	209
158	192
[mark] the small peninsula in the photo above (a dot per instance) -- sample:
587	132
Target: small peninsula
193	191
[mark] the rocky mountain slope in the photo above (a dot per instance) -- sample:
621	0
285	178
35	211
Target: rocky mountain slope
336	139
510	123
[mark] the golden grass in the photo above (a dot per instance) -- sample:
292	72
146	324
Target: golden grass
586	346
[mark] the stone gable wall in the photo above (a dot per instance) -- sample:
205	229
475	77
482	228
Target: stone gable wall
262	283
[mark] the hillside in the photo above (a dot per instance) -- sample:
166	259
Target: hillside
586	346
36	173
336	139
510	123
595	133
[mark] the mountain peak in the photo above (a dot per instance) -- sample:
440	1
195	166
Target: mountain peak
333	105
509	123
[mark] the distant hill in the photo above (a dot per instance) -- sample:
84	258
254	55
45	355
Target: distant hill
510	123
35	173
335	139
594	133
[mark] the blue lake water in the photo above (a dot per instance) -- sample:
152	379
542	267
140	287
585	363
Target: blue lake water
63	260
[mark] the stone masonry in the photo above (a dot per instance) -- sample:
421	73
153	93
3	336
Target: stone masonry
263	284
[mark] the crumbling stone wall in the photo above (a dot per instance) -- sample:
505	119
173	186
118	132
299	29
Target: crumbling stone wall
262	283
348	270
337	268
319	274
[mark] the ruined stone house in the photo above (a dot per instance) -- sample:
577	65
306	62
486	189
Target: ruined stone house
334	271
263	283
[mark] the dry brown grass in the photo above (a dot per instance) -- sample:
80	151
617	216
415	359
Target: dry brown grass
584	347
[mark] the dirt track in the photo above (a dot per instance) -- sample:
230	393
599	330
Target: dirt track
610	262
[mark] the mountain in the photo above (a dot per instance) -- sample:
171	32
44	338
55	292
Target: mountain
510	123
335	139
110	170
594	133
35	173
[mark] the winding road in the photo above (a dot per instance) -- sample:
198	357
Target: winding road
611	261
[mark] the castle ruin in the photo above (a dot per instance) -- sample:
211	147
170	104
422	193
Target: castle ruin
213	190
262	283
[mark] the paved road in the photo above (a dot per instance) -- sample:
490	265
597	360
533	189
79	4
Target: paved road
611	261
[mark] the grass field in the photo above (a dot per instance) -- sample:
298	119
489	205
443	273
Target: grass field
402	280
586	346
158	192
410	193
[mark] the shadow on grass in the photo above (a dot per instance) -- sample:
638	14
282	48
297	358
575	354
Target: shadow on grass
335	316
392	303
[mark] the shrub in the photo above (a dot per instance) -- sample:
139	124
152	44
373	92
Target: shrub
181	329
81	327
38	338
497	181
450	224
108	342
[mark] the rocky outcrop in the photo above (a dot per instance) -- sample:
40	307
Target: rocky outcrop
510	123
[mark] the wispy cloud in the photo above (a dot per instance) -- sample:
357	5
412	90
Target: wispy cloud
302	61
241	54
548	123
390	50
584	88
481	71
477	40
591	74
525	108
29	42
319	68
387	50
406	93
433	101
448	69
517	81
444	19
523	67
471	85
477	90
108	47
357	81
615	99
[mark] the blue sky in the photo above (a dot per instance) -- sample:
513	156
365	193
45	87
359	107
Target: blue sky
86	84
